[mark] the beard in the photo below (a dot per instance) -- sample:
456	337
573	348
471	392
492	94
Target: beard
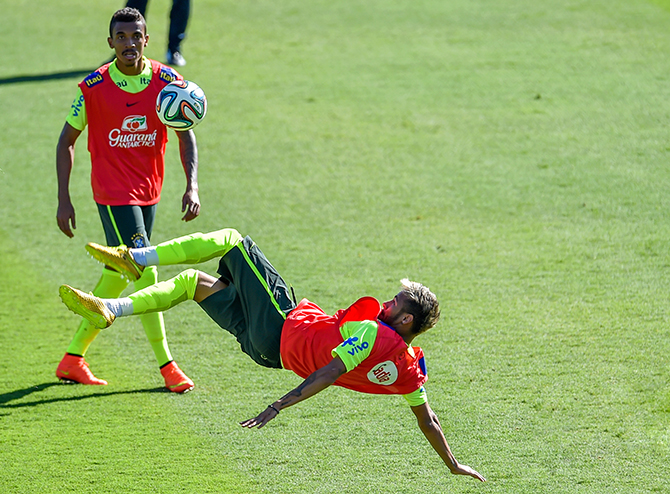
392	321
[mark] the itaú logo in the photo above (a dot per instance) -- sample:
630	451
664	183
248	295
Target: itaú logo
385	373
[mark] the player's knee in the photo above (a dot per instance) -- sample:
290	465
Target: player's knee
149	277
227	236
189	281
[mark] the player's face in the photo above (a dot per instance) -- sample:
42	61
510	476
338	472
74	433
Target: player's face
128	41
393	310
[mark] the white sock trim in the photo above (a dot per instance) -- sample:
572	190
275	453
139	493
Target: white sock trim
119	306
145	256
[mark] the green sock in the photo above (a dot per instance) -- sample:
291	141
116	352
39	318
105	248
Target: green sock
166	294
110	285
198	247
153	323
149	302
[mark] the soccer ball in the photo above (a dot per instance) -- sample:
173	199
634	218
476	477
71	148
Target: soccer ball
181	105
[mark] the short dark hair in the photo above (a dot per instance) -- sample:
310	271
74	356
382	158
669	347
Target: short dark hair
422	304
127	14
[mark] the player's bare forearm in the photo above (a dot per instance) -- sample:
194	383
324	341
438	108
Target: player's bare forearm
313	384
430	426
188	151
64	160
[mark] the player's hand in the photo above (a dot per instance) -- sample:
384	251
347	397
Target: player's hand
190	205
266	415
65	216
466	470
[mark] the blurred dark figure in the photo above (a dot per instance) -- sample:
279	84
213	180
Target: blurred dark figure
181	9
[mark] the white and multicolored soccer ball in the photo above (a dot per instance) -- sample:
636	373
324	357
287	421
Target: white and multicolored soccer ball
181	105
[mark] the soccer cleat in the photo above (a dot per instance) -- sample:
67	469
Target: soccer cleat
175	379
117	258
87	305
175	58
74	369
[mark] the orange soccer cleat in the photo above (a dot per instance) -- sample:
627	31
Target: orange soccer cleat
175	379
74	369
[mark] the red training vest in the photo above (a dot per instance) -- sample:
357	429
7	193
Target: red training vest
125	138
309	335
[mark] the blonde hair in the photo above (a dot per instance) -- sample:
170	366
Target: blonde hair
422	304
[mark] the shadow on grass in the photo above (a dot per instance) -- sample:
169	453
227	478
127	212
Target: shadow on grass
22	393
54	76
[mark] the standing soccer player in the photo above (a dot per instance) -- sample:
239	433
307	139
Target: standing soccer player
127	145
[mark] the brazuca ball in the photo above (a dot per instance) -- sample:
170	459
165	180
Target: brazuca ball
181	105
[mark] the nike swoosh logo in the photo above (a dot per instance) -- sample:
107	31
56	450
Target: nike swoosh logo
131	104
65	372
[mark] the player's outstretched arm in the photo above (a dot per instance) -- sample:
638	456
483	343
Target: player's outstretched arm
64	161
188	151
317	381
431	428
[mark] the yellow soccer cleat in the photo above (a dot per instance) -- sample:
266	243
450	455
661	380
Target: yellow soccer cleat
117	258
87	305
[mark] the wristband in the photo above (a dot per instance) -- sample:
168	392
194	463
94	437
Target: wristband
272	406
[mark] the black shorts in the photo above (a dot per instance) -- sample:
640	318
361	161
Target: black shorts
128	225
255	304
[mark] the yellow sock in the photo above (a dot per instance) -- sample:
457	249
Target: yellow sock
197	247
153	323
110	285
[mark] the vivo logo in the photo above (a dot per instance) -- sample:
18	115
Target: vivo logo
354	347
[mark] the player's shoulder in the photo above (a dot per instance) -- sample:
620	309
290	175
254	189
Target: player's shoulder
365	308
96	77
165	73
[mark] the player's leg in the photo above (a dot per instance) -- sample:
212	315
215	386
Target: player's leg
258	295
165	294
179	15
154	324
189	249
132	226
256	290
197	247
150	300
155	298
73	367
140	5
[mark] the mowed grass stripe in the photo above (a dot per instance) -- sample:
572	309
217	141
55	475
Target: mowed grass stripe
126	437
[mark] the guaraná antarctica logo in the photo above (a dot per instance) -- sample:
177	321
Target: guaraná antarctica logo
130	135
134	123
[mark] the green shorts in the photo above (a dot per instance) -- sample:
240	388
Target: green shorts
255	304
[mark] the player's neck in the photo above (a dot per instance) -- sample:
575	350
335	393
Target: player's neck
408	339
135	69
403	330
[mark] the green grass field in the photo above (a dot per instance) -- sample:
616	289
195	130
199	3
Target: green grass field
513	156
